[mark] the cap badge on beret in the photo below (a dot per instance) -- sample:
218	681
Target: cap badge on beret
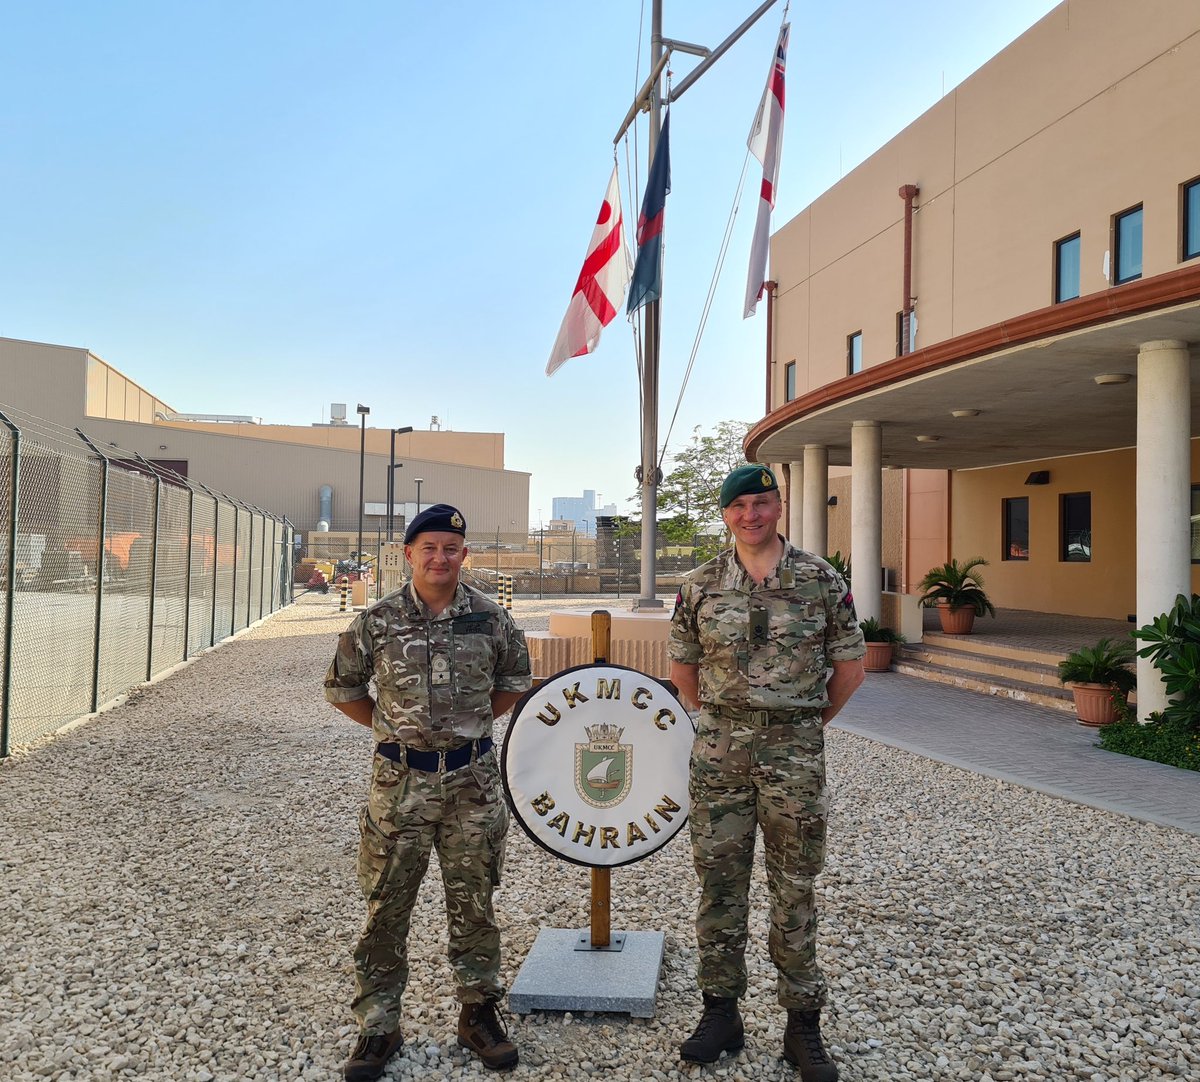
456	520
767	480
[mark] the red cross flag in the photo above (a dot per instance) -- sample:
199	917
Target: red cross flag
601	285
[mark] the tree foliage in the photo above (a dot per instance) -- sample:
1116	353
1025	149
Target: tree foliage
690	494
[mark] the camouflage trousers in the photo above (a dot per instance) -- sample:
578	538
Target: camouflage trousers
409	812
744	777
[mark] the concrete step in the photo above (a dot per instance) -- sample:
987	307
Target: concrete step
1056	698
1022	670
972	644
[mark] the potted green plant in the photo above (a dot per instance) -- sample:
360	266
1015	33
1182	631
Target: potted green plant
881	642
957	592
1097	676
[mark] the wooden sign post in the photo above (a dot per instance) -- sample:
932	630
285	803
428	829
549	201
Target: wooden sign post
601	921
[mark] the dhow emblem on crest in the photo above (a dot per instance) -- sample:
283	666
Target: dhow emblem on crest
603	766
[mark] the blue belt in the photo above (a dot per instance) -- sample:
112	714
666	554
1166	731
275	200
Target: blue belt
430	761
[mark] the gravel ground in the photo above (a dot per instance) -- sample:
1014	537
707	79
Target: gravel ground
179	903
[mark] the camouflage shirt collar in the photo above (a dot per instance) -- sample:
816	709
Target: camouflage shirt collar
418	610
736	577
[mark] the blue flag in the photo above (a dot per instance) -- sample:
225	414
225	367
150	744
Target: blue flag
647	271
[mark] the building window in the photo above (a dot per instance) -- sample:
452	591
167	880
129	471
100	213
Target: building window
1191	219
854	352
1076	527
1016	528
1195	524
789	381
1127	240
1066	269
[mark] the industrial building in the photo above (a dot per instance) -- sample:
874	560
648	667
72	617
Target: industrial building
310	474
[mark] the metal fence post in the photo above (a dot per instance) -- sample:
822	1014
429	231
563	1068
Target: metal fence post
14	493
288	581
233	577
187	590
153	564
274	554
103	528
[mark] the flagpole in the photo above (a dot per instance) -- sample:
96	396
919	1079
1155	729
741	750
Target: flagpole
648	475
649	468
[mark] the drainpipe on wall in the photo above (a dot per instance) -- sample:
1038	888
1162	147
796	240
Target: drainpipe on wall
908	193
770	287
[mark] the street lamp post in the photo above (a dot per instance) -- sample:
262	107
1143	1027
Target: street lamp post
418	480
391	478
362	460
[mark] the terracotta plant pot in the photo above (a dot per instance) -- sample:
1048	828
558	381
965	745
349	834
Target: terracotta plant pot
1094	703
879	657
956	621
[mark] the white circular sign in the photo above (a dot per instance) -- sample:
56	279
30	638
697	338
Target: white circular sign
595	765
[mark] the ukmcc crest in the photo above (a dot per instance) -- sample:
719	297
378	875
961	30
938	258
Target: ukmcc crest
603	766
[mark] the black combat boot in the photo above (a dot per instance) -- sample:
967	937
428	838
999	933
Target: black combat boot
371	1054
803	1047
719	1030
481	1030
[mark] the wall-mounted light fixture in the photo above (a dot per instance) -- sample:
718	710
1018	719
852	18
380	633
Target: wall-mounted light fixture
1107	378
928	439
964	413
1038	477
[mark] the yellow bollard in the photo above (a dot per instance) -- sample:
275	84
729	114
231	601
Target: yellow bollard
345	591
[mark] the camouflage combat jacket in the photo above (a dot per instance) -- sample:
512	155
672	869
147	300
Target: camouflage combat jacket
769	646
434	675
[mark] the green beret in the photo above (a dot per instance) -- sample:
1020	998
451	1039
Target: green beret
747	479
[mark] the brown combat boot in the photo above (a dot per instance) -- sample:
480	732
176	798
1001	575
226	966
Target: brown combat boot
803	1047
719	1030
481	1030
371	1054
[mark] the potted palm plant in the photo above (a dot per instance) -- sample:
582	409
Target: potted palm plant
957	592
1098	677
881	642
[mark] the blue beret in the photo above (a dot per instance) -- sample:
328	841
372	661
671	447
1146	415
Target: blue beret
747	479
441	517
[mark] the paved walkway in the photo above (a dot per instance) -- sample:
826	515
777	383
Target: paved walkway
1039	749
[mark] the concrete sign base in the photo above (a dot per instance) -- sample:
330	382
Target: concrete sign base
558	976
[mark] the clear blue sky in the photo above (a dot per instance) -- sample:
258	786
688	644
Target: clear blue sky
263	207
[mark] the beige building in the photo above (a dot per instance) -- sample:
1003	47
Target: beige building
1037	235
282	468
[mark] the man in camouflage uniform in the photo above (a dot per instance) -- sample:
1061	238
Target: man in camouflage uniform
445	660
764	639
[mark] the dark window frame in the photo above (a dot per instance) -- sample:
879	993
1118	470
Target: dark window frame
1065	533
1058	249
1185	219
1006	551
1195	525
1118	218
850	340
789	381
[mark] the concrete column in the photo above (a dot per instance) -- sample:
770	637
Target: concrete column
866	517
795	522
816	495
1164	567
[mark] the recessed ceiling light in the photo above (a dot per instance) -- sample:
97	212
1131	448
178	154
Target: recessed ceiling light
964	413
1112	377
928	439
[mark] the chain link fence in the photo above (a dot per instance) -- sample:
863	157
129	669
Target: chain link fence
113	570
